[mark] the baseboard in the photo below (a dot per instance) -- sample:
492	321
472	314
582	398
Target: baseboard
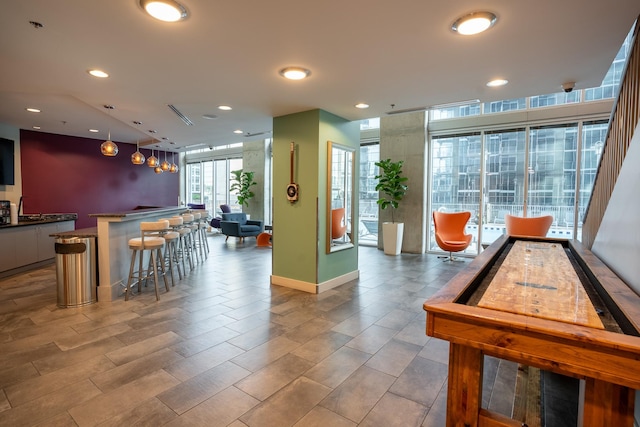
314	288
111	293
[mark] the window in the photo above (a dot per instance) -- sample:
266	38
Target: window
368	197
505	105
611	82
451	112
208	183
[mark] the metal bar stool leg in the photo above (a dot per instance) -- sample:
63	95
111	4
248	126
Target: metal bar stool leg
130	279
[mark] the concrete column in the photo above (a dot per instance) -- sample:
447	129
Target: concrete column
256	158
404	137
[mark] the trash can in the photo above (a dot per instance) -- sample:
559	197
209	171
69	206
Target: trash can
76	271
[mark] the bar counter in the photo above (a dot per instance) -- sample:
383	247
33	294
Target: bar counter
114	231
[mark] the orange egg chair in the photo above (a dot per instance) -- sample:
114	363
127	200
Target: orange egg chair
338	224
450	232
528	226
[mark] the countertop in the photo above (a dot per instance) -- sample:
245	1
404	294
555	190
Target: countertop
81	233
35	219
138	212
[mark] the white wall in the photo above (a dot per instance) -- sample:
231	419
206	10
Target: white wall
617	243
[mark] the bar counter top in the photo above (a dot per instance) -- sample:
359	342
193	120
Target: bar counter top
81	233
36	219
139	212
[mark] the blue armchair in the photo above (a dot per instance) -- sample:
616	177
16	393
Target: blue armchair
237	225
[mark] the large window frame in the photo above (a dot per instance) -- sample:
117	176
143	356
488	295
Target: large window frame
208	177
525	171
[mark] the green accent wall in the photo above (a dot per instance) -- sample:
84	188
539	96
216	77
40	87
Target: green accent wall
299	229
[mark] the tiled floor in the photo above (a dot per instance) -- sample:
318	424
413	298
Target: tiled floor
224	348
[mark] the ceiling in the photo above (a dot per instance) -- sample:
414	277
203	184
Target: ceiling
392	55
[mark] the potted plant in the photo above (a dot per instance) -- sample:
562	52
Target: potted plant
392	188
241	183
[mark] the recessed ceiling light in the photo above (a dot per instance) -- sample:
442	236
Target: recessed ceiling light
497	82
94	130
98	73
209	116
295	73
474	23
36	127
32	110
224	107
362	105
164	10
238	131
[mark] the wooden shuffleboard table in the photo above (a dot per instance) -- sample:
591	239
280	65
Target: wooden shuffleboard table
546	303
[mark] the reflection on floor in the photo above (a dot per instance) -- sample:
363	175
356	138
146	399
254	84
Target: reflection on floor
225	348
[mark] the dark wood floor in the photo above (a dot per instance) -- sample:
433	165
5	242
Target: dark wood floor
224	348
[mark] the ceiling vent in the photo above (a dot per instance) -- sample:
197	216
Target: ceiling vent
184	118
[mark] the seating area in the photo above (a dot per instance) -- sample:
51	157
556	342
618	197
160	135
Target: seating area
164	246
237	225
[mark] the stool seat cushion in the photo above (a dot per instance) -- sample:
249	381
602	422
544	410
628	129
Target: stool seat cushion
170	235
149	242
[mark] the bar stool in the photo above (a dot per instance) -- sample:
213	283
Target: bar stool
150	241
181	244
172	238
195	236
202	230
186	241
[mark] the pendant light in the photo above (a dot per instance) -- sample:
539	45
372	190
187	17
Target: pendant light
173	168
109	148
165	166
158	170
152	161
137	158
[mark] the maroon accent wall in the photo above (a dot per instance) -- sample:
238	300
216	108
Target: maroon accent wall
66	174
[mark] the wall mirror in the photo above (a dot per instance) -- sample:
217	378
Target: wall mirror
340	185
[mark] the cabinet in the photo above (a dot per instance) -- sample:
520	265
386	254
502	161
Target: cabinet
29	244
45	243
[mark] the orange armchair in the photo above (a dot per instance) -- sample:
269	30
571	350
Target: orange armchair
338	224
449	232
528	226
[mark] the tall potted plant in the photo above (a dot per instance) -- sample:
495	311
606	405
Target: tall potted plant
392	188
241	183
